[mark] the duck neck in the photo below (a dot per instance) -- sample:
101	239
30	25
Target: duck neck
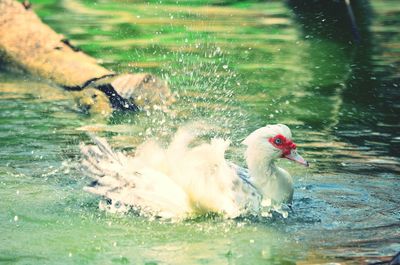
262	171
262	175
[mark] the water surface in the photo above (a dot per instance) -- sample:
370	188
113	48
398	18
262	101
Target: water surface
237	66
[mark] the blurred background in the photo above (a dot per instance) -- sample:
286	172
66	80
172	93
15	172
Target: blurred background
329	69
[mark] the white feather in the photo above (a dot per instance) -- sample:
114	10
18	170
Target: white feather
181	181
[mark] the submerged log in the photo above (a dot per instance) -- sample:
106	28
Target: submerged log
28	44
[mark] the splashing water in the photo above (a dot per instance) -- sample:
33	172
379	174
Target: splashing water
183	180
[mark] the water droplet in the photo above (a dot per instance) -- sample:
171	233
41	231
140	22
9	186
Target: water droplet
266	202
285	214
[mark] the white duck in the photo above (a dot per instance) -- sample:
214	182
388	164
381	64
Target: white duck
179	182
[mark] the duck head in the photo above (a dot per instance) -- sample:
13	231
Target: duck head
271	142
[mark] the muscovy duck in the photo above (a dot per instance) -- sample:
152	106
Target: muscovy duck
181	182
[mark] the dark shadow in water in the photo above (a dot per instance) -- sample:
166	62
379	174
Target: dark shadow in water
333	20
366	94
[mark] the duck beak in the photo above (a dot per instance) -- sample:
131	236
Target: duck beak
294	156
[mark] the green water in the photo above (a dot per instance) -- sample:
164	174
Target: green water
237	66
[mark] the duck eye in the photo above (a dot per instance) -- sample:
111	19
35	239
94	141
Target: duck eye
278	141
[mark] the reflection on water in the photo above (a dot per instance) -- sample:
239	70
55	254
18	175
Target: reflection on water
237	66
364	90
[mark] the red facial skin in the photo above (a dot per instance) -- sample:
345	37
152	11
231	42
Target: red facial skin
281	142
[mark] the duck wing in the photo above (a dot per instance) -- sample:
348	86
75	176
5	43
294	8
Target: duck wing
126	183
242	173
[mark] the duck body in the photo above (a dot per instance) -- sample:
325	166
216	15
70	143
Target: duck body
180	182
